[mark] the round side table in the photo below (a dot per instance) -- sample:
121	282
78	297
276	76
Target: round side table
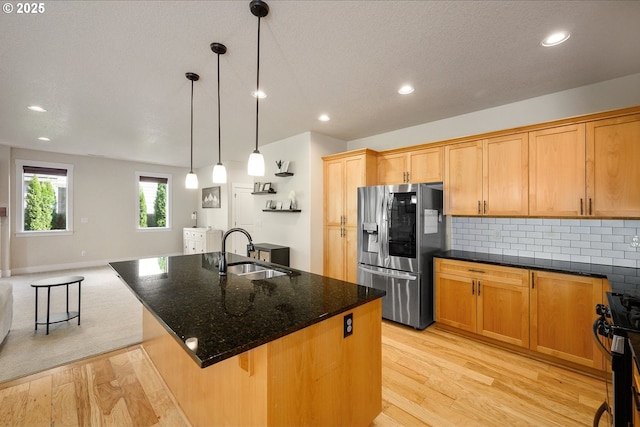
56	317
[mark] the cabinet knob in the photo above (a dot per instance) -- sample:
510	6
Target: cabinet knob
479	212
473	287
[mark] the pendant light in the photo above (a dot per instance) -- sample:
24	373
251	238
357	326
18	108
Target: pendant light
255	166
219	175
192	179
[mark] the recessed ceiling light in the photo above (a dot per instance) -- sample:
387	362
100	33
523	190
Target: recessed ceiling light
259	93
44	138
37	108
555	38
405	90
324	118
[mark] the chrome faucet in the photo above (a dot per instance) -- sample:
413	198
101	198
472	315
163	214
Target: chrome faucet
223	254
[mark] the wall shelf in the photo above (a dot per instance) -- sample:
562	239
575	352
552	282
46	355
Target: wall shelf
284	174
264	192
281	210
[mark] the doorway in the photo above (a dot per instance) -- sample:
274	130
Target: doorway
242	216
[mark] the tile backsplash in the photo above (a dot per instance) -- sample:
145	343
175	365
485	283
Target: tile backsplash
593	241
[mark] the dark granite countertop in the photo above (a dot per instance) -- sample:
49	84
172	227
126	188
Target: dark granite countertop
230	315
620	278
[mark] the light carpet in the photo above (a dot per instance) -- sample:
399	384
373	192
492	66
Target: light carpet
111	318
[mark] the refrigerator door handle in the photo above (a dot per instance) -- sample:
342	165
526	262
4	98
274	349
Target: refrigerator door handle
404	276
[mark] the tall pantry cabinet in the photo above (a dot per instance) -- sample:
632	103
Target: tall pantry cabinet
343	174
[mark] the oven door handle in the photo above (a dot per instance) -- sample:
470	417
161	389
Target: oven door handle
405	276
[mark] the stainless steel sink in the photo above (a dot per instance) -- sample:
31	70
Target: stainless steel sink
253	271
243	268
263	274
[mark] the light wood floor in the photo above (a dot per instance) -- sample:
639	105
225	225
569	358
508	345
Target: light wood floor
430	378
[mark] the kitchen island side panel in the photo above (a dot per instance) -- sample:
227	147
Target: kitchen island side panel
312	377
223	394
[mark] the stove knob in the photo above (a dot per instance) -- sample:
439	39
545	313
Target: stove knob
603	310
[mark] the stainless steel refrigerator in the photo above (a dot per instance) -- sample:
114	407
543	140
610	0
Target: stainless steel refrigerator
400	227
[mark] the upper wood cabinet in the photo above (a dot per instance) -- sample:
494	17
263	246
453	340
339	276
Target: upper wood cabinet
487	177
463	178
557	171
613	167
423	165
586	170
343	174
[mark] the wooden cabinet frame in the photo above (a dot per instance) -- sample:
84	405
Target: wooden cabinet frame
492	301
343	174
415	166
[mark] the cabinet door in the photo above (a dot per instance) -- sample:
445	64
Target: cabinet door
350	254
463	178
557	171
354	177
562	313
425	165
503	307
392	168
613	172
334	261
506	175
455	296
334	191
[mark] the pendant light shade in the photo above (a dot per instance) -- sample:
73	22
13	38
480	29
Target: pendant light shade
256	164
192	179
255	167
219	175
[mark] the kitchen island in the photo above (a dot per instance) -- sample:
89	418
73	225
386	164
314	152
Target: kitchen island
275	351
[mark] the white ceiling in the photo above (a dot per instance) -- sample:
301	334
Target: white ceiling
111	73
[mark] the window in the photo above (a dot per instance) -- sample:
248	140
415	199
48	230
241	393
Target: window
153	201
45	192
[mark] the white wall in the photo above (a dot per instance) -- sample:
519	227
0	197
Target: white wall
214	217
300	231
603	96
284	228
5	202
105	193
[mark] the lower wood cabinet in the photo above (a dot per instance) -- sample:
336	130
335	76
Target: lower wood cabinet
562	314
547	313
489	300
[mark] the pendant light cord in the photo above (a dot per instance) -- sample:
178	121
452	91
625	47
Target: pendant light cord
258	84
191	169
219	143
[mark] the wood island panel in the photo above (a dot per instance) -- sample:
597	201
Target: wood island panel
312	377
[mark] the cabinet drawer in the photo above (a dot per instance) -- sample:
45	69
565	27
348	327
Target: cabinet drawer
478	270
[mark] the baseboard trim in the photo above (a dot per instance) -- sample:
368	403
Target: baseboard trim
73	265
